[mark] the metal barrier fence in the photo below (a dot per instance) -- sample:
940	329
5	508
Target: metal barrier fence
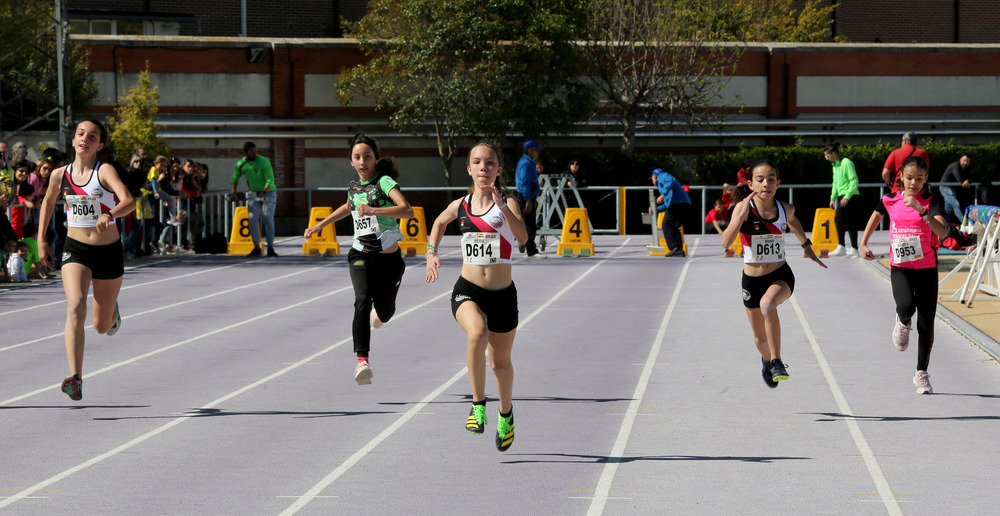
612	209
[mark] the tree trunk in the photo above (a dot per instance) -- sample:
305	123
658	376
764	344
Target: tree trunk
629	122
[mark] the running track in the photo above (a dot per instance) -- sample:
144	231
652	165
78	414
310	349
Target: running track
229	390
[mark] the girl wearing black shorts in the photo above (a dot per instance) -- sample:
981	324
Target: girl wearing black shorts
484	301
760	222
374	202
92	255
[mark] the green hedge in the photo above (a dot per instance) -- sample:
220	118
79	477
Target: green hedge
797	165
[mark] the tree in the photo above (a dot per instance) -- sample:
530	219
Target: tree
659	62
778	20
467	68
132	124
28	67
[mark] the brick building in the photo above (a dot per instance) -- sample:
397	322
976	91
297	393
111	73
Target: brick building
915	21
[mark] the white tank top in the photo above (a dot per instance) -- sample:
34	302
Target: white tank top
84	204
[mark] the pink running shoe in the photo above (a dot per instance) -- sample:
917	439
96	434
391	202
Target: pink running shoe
923	382
901	334
363	373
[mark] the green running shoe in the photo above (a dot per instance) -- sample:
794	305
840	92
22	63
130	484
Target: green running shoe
477	419
505	431
117	324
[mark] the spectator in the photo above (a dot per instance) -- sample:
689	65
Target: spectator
8	248
263	196
674	202
741	174
957	172
18	251
894	163
6	174
526	176
32	263
18	152
26	197
169	182
6	231
717	218
845	199
727	195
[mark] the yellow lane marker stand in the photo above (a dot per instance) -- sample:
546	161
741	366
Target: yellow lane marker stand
736	249
824	233
239	238
324	242
655	251
414	233
575	239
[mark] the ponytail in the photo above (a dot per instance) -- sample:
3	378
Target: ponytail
386	167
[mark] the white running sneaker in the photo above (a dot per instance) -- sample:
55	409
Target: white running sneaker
923	382
852	252
363	373
901	334
117	324
839	251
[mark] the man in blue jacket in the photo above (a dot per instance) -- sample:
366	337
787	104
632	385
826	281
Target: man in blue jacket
526	176
674	202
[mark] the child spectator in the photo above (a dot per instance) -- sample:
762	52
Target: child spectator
717	218
15	264
26	196
32	263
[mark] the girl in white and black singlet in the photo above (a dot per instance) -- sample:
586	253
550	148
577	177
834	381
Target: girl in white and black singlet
484	300
760	222
92	255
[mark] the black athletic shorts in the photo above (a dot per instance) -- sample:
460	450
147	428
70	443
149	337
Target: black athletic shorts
104	261
500	306
754	287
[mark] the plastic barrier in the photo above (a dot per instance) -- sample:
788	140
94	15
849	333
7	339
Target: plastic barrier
414	233
324	242
240	241
575	239
824	233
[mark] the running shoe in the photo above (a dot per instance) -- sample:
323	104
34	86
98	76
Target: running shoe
901	335
852	253
778	371
766	373
271	252
363	373
73	387
118	322
505	431
923	382
477	419
839	251
254	252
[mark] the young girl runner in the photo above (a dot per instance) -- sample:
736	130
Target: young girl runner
484	300
916	222
374	202
760	222
95	196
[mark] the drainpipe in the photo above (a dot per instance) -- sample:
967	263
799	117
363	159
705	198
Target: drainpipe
243	18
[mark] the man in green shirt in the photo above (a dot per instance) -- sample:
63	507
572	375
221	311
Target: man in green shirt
262	195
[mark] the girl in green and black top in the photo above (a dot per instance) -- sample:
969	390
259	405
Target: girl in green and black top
845	199
374	202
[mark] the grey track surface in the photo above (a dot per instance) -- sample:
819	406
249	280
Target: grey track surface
229	390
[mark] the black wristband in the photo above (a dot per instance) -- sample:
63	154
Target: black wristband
108	213
807	243
924	214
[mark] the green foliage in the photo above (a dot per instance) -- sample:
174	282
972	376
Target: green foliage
778	20
133	124
28	65
472	69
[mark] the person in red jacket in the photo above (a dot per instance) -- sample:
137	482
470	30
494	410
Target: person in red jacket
894	163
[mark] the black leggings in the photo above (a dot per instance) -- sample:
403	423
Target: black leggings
376	278
846	220
916	290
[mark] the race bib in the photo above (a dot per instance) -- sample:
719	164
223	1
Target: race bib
83	209
768	248
364	224
906	249
481	248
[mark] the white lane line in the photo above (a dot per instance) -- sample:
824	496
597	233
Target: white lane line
124	287
26	493
890	502
360	454
164	307
603	488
